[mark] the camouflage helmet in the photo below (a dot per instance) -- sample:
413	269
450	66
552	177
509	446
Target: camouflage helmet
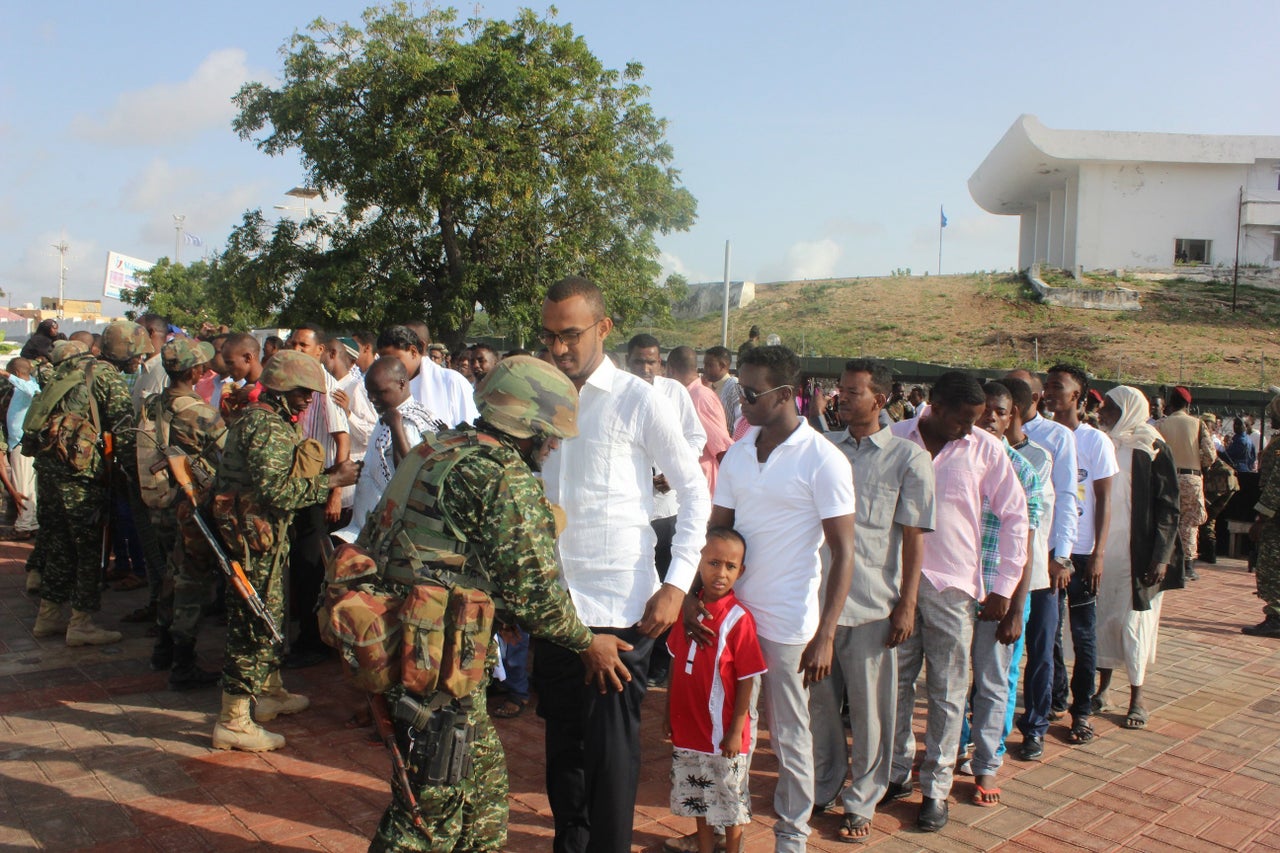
63	350
287	370
524	396
123	339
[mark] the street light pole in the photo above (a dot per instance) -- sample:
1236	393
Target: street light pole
62	247
178	219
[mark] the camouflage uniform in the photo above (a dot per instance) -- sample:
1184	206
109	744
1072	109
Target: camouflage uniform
192	568
44	373
1267	561
490	489
258	461
78	499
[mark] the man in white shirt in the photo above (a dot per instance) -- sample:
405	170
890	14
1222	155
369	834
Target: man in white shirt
603	479
350	395
784	487
1064	389
446	393
644	359
402	421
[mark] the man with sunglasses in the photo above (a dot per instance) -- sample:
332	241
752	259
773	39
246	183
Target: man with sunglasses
603	480
784	487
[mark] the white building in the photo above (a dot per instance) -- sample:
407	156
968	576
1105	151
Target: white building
1123	200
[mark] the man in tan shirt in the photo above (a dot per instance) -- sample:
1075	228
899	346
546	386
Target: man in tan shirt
1192	448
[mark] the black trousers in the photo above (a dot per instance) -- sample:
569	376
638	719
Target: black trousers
306	574
593	746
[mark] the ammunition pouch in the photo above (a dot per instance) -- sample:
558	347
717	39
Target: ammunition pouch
435	739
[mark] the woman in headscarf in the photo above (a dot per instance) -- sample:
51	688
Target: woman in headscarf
1266	531
1144	531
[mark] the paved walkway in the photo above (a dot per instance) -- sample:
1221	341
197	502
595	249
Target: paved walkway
96	754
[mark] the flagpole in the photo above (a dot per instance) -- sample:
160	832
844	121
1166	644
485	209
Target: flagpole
941	224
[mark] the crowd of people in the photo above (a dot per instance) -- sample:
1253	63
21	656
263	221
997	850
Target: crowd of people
746	540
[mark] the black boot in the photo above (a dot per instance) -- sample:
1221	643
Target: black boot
1209	551
162	652
1189	570
1269	627
186	675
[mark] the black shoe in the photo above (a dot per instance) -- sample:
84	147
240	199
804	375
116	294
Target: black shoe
192	677
1032	748
1189	570
1269	627
897	791
657	679
933	815
1209	551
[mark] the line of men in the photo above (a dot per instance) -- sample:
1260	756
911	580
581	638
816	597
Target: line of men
942	542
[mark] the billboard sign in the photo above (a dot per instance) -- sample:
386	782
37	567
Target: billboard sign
122	274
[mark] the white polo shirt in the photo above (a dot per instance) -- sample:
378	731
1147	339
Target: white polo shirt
779	507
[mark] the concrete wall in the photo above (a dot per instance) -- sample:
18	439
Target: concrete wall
1130	214
708	298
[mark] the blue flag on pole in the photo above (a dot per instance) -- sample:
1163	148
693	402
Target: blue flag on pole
944	217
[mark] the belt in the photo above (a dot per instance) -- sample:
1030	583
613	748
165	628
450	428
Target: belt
1195	471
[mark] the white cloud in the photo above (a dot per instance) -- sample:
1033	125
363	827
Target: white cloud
674	264
807	259
171	112
162	189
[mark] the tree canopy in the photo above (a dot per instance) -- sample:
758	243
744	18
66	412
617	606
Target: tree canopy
477	163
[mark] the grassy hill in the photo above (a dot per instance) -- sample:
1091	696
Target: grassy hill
1185	333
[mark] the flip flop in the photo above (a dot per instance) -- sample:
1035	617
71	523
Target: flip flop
854	829
1136	719
986	797
1097	705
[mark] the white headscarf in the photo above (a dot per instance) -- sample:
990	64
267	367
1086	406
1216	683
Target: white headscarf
1131	431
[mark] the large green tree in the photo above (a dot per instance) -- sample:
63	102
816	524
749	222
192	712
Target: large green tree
478	162
231	289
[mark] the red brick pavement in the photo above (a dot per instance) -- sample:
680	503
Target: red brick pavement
96	754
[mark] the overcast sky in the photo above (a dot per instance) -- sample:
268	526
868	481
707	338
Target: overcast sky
820	138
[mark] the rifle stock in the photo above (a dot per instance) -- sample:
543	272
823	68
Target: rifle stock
180	468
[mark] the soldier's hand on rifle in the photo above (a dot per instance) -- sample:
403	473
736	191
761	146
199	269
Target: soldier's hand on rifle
343	474
604	668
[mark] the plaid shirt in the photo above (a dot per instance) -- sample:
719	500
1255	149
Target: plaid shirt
1034	487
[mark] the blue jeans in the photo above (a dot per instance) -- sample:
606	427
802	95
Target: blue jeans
1042	637
1015	668
1080	606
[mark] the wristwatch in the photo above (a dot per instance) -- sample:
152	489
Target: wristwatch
1065	562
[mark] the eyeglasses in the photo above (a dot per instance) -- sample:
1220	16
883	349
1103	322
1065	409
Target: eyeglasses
750	396
568	337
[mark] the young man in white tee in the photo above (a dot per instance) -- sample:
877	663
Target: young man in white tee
1064	389
784	487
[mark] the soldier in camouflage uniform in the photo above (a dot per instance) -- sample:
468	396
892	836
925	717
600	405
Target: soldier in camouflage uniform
79	495
263	471
196	428
527	406
1266	531
60	352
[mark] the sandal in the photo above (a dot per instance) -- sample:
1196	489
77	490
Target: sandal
854	829
1097	704
986	797
509	709
1136	719
1081	733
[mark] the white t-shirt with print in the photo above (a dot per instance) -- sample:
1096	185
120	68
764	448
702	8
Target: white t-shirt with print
1095	460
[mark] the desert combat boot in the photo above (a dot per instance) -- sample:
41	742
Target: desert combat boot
236	729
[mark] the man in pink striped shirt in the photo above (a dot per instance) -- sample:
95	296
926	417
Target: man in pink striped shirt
970	467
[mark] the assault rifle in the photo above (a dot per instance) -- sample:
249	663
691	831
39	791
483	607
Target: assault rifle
180	468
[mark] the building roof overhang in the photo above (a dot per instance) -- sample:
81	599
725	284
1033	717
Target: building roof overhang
1031	160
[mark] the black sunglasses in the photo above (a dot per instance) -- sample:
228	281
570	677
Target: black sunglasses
752	396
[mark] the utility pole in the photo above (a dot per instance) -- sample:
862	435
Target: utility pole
62	247
724	316
178	219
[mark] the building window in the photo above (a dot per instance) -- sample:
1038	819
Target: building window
1191	251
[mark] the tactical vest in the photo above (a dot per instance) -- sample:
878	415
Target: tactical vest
411	602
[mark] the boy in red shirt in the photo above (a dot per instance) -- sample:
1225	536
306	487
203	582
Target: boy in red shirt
709	699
